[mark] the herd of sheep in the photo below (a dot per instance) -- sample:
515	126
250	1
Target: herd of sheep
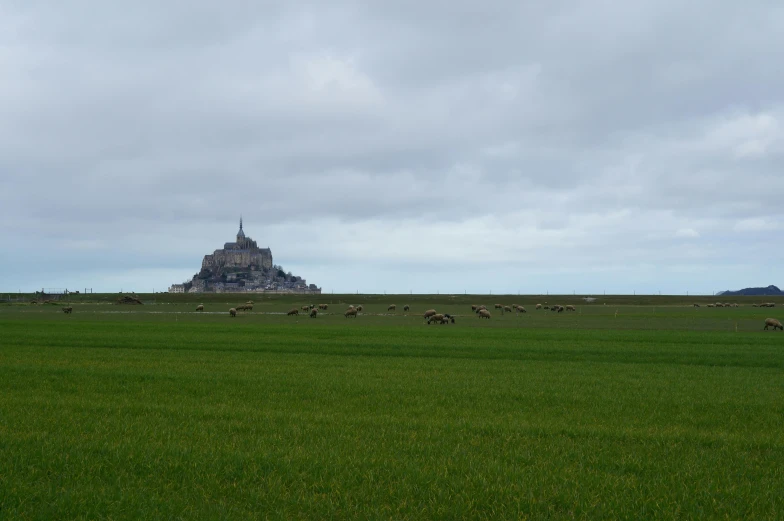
431	316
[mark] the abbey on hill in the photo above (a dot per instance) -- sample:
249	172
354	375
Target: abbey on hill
242	266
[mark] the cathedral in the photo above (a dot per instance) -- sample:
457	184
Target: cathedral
244	253
242	266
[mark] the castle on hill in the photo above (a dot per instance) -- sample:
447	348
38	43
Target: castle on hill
242	266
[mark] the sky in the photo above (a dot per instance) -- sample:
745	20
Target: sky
411	146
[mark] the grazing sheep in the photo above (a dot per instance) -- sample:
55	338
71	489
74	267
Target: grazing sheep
719	305
294	311
570	308
775	324
313	313
710	305
498	306
547	307
351	312
68	310
200	307
521	309
507	308
359	309
538	306
438	318
305	308
483	313
429	313
233	312
473	307
249	307
696	305
250	302
323	306
406	307
392	308
452	319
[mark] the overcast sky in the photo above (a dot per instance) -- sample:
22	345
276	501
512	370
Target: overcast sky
450	146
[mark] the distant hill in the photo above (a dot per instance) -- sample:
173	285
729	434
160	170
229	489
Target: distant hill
769	291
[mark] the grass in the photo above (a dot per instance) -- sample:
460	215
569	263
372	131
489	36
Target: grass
159	412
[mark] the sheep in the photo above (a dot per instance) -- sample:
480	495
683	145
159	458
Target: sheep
696	305
507	308
313	313
359	309
538	306
351	312
305	308
473	307
438	318
754	305
719	305
521	309
498	306
570	308
547	307
406	307
250	302
711	305
67	310
483	313
775	324
392	307
429	313
323	306
233	312
200	307
293	311
249	307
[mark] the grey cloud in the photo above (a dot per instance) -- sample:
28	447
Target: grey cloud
419	131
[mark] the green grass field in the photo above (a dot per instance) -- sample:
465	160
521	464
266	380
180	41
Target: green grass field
629	408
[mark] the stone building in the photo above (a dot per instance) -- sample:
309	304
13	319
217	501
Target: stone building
242	266
244	253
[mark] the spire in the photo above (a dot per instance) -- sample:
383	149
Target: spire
240	234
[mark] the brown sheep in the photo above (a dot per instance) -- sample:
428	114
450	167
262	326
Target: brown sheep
313	313
711	305
437	318
538	306
507	308
570	308
323	306
429	313
68	310
696	305
360	309
233	312
406	307
200	307
483	313
249	307
294	311
305	308
498	306
775	324
351	312
473	307
392	307
521	309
